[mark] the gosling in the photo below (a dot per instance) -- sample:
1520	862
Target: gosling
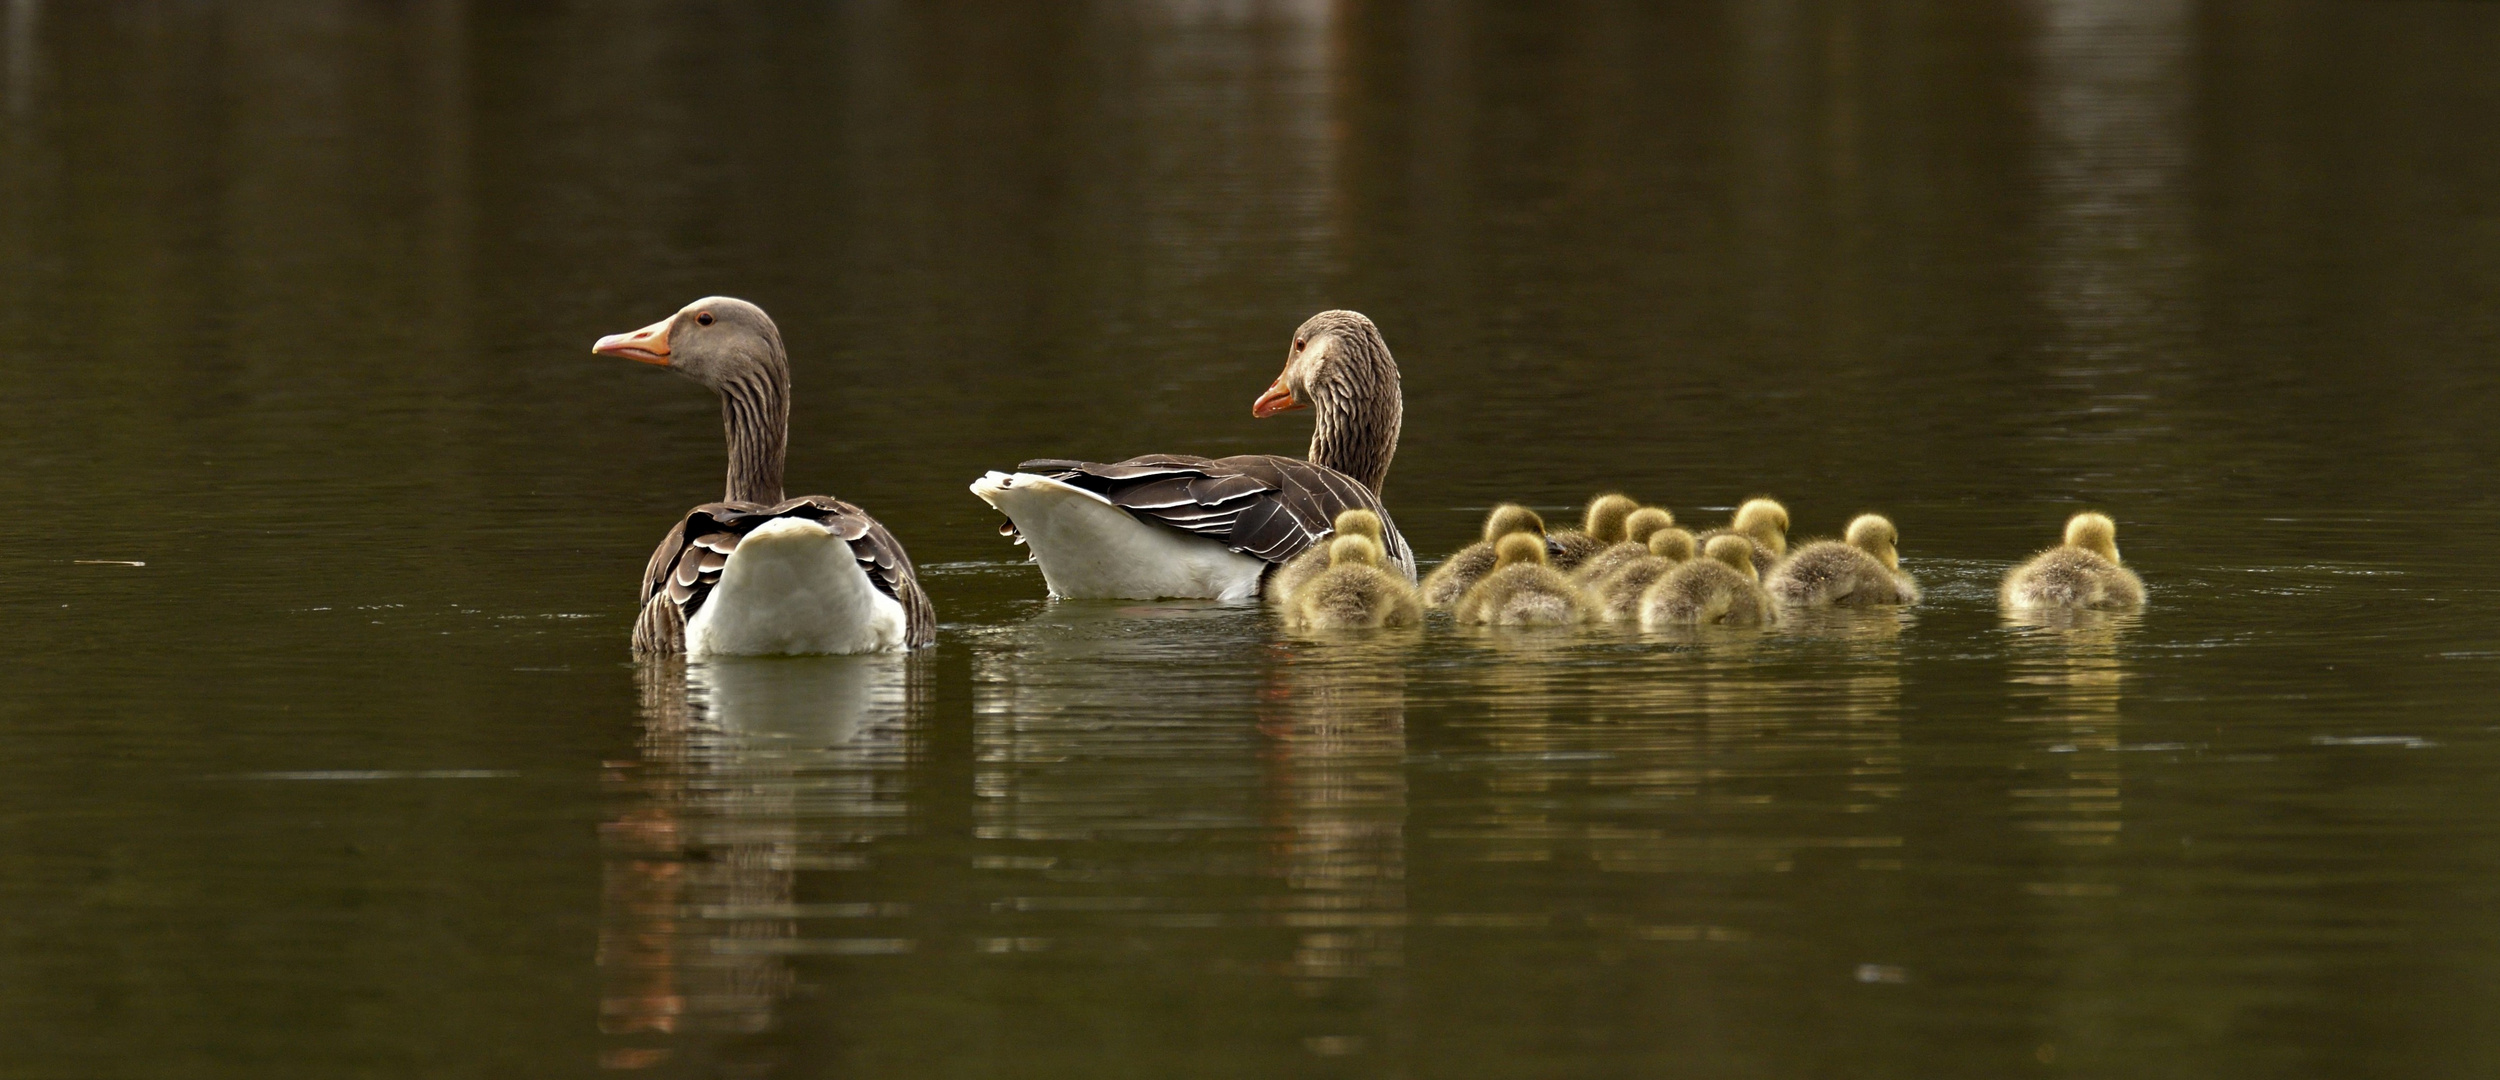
1601	526
1289	579
2083	572
1763	522
1617	597
1863	570
1468	565
1355	592
1720	587
1522	590
1637	530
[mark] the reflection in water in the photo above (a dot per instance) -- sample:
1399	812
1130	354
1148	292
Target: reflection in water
2066	663
751	771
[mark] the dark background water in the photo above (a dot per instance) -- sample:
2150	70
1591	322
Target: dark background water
355	777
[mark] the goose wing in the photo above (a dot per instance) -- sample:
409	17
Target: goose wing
688	562
1262	505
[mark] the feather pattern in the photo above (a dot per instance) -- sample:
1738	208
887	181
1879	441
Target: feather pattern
681	573
1265	506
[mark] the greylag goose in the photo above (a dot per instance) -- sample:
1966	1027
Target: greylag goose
1637	530
1176	525
1720	587
1861	570
1354	592
1617	596
1763	522
757	573
1468	565
1522	590
2083	572
1601	526
1284	581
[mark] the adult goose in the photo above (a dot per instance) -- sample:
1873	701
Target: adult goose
1177	525
757	573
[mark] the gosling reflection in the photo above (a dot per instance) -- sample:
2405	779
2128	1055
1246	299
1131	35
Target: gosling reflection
2067	662
1333	724
750	771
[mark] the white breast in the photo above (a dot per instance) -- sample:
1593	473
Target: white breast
1091	549
790	588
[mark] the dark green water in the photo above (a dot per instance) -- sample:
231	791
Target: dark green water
355	776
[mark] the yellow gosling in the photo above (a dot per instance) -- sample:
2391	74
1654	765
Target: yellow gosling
2083	572
1764	522
1617	597
1297	572
1637	530
1355	592
1862	570
1601	524
1468	565
1522	590
1720	587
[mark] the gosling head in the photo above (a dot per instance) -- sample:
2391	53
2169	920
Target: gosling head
1353	549
1518	548
1673	545
1509	518
2093	532
1874	535
1359	522
1735	551
1645	523
1765	520
1605	516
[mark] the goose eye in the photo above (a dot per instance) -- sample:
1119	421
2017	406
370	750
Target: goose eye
1298	343
704	319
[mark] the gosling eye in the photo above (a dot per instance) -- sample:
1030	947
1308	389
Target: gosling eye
703	319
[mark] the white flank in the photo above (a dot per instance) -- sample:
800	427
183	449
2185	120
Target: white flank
793	588
1091	549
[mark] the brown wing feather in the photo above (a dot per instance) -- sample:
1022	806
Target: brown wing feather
1262	505
682	572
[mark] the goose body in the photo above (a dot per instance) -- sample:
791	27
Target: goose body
2083	572
1468	565
756	573
1720	587
1177	525
1862	570
1523	590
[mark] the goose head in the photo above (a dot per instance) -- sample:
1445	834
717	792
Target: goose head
1645	523
718	341
1509	518
1518	548
1353	549
2093	532
1673	545
1735	551
1765	520
1605	516
1339	368
1359	522
1874	535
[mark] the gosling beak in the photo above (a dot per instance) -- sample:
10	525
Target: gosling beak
1278	398
649	344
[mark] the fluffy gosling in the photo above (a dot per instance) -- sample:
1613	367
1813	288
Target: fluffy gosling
1287	580
1720	587
2083	572
1764	522
1637	530
1522	590
1355	592
1601	525
1862	570
1617	597
1468	565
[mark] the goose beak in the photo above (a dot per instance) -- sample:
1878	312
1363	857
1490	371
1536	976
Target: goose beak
648	345
1278	398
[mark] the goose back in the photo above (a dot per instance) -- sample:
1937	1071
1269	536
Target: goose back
689	561
1265	506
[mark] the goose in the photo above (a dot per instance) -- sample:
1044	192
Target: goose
757	573
1637	529
1861	570
1601	525
1354	592
1286	580
1617	596
1764	522
1468	565
2083	572
1177	525
1522	590
1719	587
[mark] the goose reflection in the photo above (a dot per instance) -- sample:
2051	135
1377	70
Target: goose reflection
750	772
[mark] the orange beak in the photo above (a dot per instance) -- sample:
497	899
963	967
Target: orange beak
1278	398
649	344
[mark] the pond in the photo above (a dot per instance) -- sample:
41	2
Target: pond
323	753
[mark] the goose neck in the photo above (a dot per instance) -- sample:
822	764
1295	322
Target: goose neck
755	415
